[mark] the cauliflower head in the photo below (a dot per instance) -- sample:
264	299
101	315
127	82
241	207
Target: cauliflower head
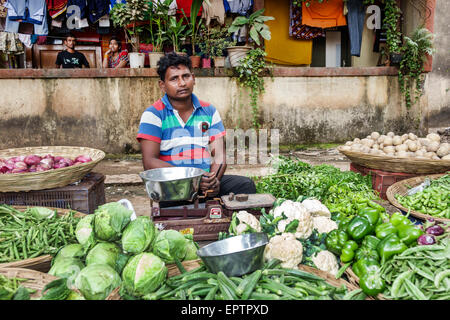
323	224
245	223
294	211
316	208
285	247
326	261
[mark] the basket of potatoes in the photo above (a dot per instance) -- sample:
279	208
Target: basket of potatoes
405	153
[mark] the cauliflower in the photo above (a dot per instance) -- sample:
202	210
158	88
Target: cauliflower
294	211
323	224
326	261
316	208
285	247
244	222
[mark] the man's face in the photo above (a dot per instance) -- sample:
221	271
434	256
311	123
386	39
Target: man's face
70	42
179	82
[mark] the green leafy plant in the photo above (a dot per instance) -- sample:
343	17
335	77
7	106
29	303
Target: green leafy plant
158	17
176	32
391	20
213	41
415	51
251	75
298	3
126	15
256	24
194	25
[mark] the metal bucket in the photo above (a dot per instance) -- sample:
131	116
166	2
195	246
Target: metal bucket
172	184
235	256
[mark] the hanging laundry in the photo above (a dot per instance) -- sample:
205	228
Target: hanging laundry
282	49
214	11
10	43
3	10
26	40
97	9
355	18
300	31
56	7
327	14
28	11
241	7
82	4
185	5
226	6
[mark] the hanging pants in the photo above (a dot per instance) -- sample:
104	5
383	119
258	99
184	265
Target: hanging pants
355	20
29	11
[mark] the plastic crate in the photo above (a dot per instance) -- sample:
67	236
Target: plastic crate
381	180
84	196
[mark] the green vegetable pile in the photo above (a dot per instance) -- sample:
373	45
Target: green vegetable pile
11	289
269	283
419	273
33	232
433	200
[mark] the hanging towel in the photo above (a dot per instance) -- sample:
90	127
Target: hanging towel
282	49
300	31
327	14
214	11
355	18
26	40
185	5
56	7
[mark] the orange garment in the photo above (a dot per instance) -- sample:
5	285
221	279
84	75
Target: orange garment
327	14
282	49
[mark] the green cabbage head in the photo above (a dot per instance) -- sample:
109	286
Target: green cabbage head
106	253
191	250
170	245
110	220
97	281
67	268
138	235
74	250
84	232
144	274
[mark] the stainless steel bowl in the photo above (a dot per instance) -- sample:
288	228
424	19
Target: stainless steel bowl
235	256
172	184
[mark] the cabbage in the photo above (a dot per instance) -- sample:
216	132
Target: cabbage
110	219
138	235
75	295
97	281
144	274
191	251
170	245
103	253
66	268
84	232
41	212
74	250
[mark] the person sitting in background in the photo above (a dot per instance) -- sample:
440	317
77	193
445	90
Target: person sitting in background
115	57
70	58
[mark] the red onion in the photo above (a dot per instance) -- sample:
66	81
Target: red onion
19	170
426	239
46	163
77	163
32	160
20	165
40	168
57	158
83	159
435	230
18	159
60	165
32	168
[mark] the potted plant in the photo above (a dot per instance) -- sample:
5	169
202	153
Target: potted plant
158	18
213	42
193	32
176	32
128	15
256	29
393	35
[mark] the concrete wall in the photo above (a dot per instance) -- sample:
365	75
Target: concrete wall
104	112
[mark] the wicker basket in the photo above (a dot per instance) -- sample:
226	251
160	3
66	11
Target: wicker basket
394	164
52	178
42	263
35	280
402	188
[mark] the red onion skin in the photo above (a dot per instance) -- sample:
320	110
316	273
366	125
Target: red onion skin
20	165
57	158
32	168
435	230
32	160
83	159
19	170
426	239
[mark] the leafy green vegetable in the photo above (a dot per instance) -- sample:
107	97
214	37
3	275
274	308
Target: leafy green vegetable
138	235
109	221
97	281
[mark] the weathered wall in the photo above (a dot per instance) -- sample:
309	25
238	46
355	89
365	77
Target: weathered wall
105	112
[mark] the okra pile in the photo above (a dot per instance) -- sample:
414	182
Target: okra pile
270	283
433	200
24	236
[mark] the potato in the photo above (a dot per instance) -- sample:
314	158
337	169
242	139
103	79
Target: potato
381	146
401	147
435	158
412	136
389	149
412	146
419	153
397	140
387	141
447	157
402	154
356	147
375	135
444	149
349	143
365	149
381	139
424	141
433	146
368	137
356	140
346	148
367	142
405	137
434	137
376	146
429	155
391	134
374	151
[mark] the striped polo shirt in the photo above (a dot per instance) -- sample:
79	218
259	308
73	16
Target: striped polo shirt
182	144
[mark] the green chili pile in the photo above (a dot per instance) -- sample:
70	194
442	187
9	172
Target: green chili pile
24	235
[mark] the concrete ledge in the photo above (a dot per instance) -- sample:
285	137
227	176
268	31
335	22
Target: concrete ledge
213	72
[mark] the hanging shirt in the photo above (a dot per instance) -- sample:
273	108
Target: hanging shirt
97	9
28	11
327	14
215	11
185	5
240	6
82	4
10	43
56	7
300	31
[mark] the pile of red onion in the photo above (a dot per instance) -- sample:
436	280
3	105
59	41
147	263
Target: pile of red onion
433	231
34	163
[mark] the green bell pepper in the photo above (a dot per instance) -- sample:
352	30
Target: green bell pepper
390	246
372	215
335	241
409	234
399	219
370	242
367	253
358	228
348	251
385	229
371	282
362	266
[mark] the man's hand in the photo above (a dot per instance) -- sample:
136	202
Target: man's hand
210	182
